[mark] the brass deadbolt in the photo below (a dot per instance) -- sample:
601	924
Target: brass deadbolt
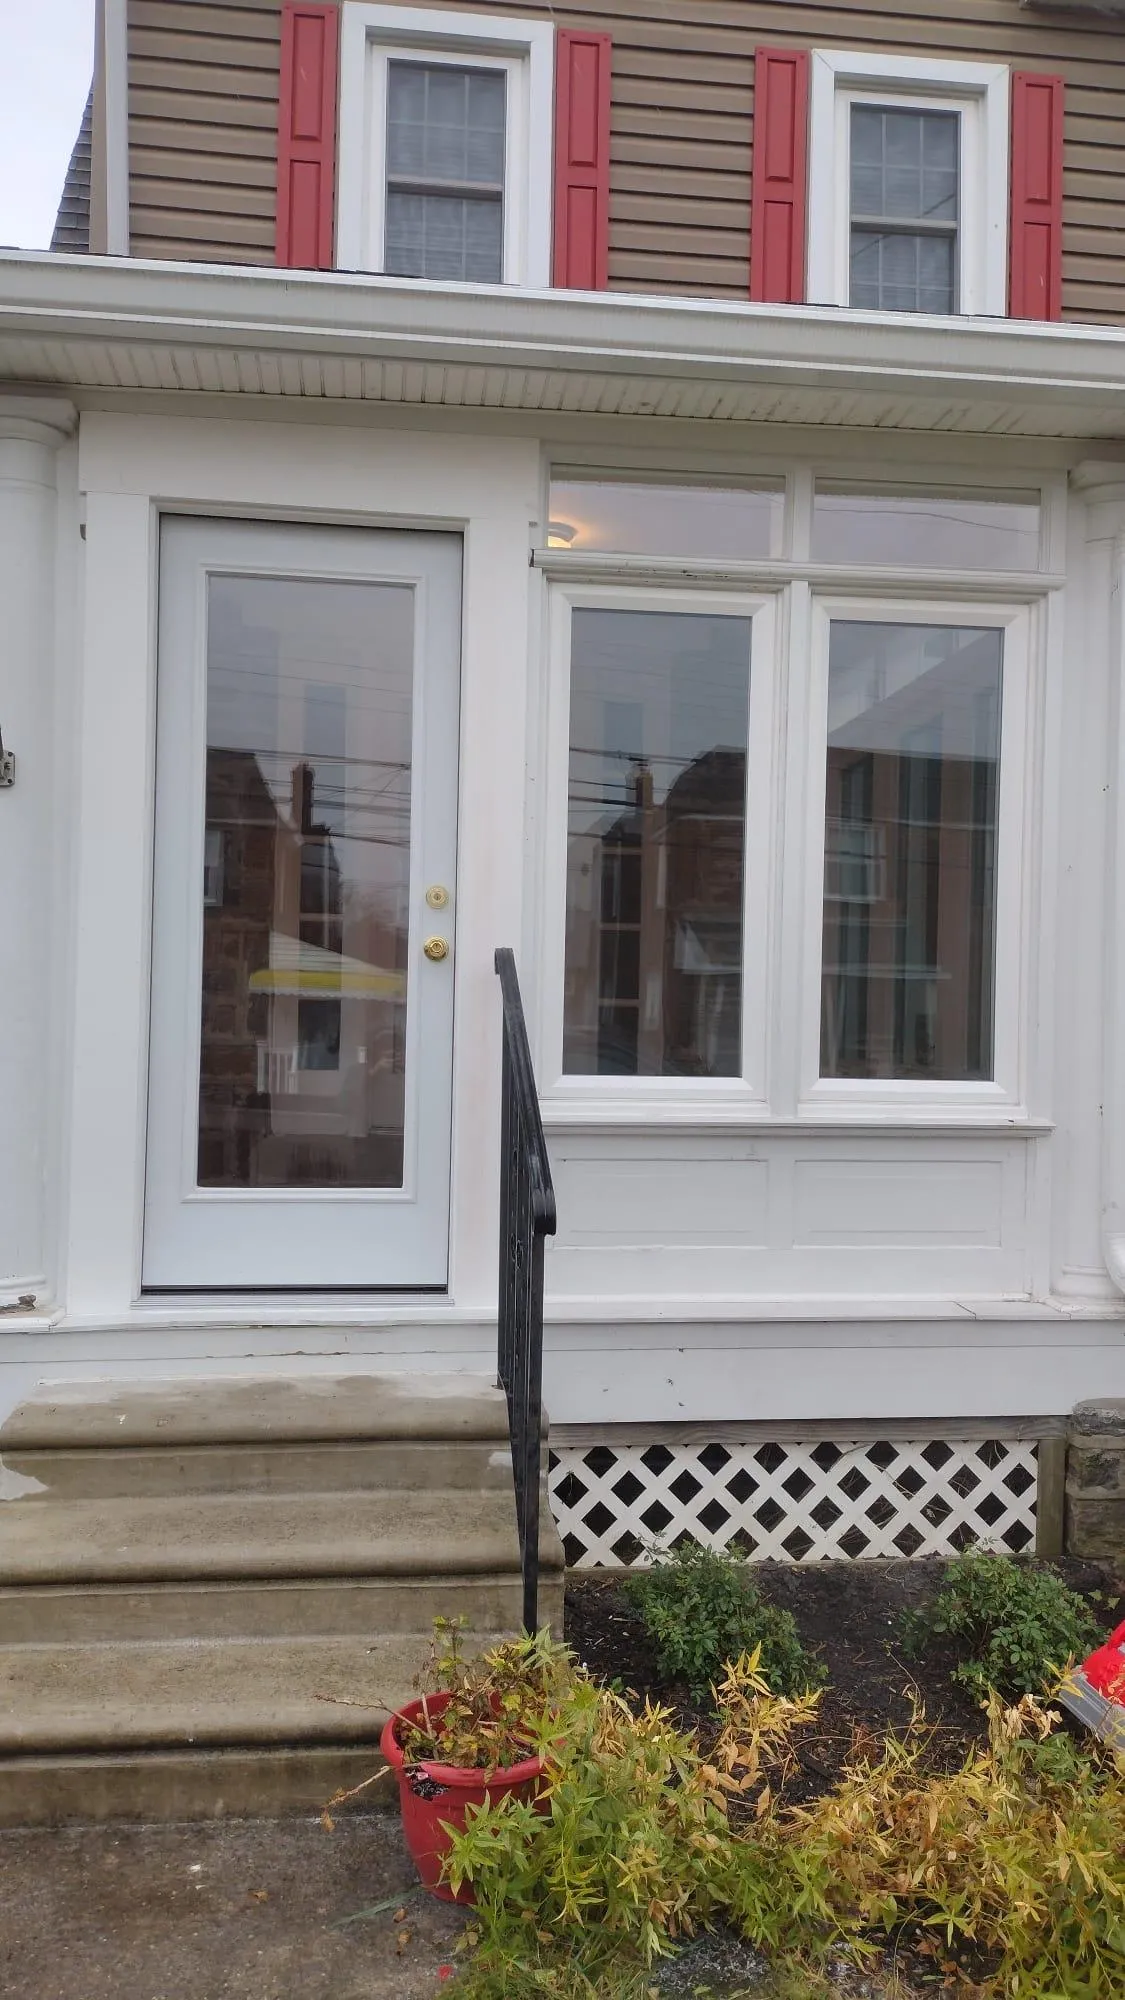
436	948
437	896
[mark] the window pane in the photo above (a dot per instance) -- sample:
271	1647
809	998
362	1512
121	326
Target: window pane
658	733
306	903
904	164
902	273
445	124
910	851
937	531
436	236
629	518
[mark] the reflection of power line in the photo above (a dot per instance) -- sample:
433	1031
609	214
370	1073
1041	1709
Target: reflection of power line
338	836
286	759
644	758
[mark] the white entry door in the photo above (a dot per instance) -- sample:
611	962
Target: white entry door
302	976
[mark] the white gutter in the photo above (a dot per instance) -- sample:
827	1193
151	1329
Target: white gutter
1113	1091
1081	369
115	73
1101	484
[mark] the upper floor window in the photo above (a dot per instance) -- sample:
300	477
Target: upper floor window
445	145
908	184
445	172
905	171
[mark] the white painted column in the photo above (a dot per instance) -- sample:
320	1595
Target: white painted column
1102	486
31	430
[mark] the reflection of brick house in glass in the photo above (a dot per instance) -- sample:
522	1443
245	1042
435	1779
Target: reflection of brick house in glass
910	856
289	1017
670	929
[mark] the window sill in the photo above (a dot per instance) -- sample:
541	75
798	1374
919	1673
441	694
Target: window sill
662	1116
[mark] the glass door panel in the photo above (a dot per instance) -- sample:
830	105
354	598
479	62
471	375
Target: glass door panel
306	903
301	1040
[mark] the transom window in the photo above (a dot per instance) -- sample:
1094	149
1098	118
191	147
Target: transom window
445	172
905	170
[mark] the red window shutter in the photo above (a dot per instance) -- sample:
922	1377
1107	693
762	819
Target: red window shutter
779	188
306	135
582	72
1035	233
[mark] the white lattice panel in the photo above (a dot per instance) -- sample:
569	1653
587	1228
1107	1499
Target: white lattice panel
792	1502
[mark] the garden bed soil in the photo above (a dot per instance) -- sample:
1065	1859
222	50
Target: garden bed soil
849	1616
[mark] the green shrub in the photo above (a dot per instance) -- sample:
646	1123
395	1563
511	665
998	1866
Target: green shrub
702	1609
1019	1855
1014	1625
626	1852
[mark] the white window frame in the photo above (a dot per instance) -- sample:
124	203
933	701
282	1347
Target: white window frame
1004	1095
614	1099
980	93
373	36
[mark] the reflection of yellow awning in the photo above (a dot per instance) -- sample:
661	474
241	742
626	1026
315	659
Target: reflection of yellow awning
300	970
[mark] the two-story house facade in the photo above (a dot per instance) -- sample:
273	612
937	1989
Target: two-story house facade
642	484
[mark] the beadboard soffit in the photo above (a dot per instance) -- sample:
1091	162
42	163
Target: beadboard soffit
132	325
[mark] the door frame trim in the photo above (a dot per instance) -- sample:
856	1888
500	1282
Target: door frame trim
371	473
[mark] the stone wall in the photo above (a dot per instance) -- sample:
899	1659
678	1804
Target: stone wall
1095	1480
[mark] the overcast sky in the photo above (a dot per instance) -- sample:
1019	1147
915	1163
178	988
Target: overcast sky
44	77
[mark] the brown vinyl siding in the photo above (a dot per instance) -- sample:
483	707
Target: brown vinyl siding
203	98
203	84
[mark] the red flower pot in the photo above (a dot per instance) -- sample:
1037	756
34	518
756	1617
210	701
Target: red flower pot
431	1793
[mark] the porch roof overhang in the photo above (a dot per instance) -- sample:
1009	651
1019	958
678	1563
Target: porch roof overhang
123	324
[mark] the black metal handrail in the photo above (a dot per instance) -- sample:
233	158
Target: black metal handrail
527	1215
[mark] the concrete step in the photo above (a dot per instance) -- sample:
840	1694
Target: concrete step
203	1693
211	1592
101	1472
43	1789
351	1607
256	1409
257	1536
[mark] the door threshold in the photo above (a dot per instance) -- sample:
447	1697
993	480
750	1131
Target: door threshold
295	1294
328	1312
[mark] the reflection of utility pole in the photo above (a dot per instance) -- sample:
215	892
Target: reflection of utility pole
652	1027
302	783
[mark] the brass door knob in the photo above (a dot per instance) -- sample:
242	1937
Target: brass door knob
436	948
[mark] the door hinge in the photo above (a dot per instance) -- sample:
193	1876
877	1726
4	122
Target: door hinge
7	766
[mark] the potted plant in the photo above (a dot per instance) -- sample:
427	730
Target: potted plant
475	1735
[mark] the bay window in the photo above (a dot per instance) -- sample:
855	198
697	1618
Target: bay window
791	820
